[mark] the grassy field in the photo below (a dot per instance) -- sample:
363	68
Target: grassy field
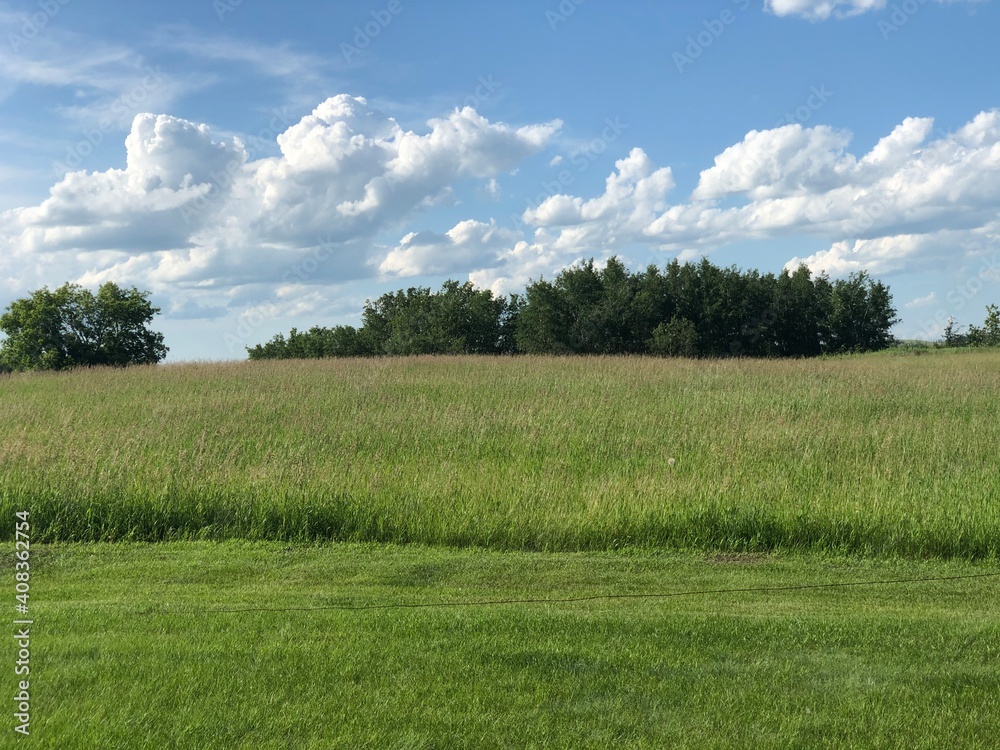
873	455
453	480
128	652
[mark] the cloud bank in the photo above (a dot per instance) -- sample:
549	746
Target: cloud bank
193	210
194	216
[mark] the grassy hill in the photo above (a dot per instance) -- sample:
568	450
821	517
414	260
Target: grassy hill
869	454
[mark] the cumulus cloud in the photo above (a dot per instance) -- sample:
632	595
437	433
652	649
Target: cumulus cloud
634	195
789	160
193	213
169	168
193	208
904	185
469	244
917	199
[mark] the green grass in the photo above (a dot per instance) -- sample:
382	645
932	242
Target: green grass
537	478
126	654
871	455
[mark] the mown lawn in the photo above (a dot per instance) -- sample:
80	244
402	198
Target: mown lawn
128	653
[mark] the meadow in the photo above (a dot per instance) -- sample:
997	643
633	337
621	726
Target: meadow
871	455
531	552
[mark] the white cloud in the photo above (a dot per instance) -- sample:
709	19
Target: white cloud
930	299
469	244
789	160
191	210
633	197
193	213
821	10
904	185
912	202
877	255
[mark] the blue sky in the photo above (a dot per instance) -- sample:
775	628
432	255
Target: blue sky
259	166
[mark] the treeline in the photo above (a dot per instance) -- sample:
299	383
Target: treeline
986	335
690	310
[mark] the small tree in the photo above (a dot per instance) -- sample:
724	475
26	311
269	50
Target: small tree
951	336
991	328
987	335
71	327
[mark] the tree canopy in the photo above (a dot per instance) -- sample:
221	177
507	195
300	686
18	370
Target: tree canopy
692	310
72	327
459	319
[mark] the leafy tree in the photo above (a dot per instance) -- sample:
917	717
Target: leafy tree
340	341
951	335
651	304
676	338
582	290
861	315
587	310
992	326
71	327
694	310
987	335
459	319
800	314
543	322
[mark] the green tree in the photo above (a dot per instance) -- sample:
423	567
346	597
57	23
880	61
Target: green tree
543	322
587	310
992	325
676	338
861	315
71	327
459	319
799	314
317	342
650	305
987	335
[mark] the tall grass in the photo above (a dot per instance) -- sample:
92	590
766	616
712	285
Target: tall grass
877	455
